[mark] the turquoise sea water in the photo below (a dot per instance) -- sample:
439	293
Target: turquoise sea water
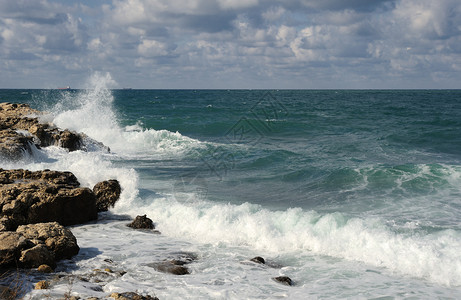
356	193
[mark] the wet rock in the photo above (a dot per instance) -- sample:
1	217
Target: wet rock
36	256
11	245
21	130
45	269
170	267
42	285
131	296
36	244
284	280
107	194
258	260
58	239
142	222
43	196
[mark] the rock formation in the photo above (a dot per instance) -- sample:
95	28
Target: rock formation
33	245
43	196
142	222
107	193
21	131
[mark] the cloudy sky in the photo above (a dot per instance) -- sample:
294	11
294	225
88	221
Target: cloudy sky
232	43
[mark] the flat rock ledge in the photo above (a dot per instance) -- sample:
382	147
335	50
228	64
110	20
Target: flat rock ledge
21	131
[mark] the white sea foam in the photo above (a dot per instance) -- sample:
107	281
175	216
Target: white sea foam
432	256
328	255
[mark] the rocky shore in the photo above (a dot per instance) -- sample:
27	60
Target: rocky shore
35	206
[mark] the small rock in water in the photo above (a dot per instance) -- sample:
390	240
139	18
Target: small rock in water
142	222
45	269
131	296
258	260
42	285
284	280
170	267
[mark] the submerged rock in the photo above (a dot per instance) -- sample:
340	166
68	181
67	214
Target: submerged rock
131	296
107	194
142	222
258	260
284	280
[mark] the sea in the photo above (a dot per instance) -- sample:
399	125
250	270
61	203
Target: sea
353	194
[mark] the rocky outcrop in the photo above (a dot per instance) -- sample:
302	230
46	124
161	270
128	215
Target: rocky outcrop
43	196
142	222
34	245
107	193
21	131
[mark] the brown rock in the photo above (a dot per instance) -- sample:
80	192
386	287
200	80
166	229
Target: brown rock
43	196
45	269
131	296
107	194
36	256
11	244
58	239
142	222
42	285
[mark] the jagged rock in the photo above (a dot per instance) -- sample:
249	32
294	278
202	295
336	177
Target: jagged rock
107	194
36	256
131	296
142	222
20	129
11	245
36	244
284	280
43	196
42	285
45	269
55	237
258	260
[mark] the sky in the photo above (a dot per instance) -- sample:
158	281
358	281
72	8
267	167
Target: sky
231	44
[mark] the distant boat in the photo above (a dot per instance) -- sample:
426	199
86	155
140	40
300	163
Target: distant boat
64	88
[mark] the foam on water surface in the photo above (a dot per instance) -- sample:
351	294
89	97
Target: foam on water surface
385	247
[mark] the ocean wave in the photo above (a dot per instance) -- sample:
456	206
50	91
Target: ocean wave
433	256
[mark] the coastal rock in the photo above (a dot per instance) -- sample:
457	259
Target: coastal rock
37	256
11	245
258	260
33	245
170	267
175	266
142	222
58	239
21	130
131	296
284	280
43	196
107	194
42	285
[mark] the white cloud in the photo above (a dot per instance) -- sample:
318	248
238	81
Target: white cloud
235	42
